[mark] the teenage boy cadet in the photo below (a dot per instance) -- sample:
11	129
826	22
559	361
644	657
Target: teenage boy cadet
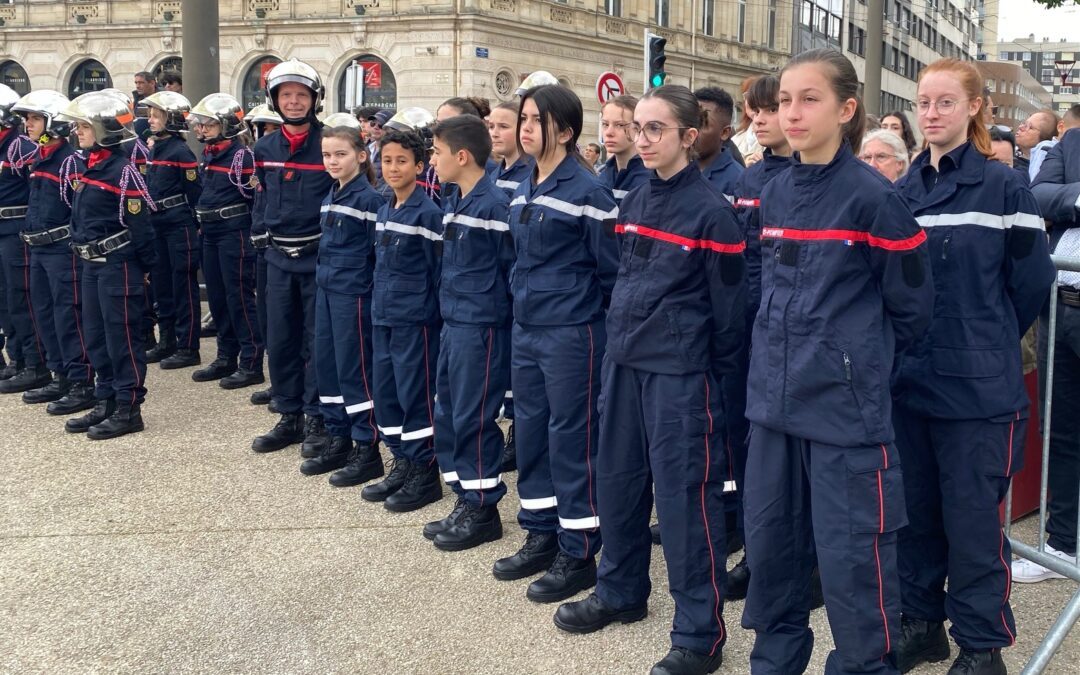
405	337
474	355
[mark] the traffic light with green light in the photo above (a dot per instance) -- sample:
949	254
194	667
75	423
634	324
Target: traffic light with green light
655	58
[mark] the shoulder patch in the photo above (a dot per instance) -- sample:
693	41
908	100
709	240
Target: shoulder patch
134	206
191	174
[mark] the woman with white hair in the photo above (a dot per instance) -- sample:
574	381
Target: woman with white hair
885	151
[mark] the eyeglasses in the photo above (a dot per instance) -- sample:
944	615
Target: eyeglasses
653	131
944	106
879	158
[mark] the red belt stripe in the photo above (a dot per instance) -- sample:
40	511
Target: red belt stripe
845	235
685	242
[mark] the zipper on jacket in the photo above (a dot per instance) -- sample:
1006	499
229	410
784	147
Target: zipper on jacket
847	366
945	247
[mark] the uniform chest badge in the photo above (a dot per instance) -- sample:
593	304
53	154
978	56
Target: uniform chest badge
76	185
134	206
142	169
253	181
191	174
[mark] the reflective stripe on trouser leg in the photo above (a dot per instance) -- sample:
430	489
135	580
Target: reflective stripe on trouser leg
535	490
388	410
343	360
412	353
972	460
570	358
444	424
478	374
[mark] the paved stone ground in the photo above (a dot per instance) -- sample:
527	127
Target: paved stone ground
180	550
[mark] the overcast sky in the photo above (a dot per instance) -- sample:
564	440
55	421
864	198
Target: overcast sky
1019	18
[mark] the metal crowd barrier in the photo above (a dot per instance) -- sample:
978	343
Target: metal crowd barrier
1040	660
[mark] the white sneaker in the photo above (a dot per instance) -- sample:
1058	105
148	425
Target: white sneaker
1027	572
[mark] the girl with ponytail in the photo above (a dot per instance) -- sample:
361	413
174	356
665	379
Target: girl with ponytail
844	287
961	407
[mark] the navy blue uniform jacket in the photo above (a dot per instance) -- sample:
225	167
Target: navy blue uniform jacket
293	184
567	256
16	153
47	208
107	200
845	284
678	303
477	257
748	205
508	178
992	273
622	182
723	174
408	262
346	261
172	170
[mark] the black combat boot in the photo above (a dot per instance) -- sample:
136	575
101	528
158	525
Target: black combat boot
126	420
436	526
101	412
682	661
316	437
509	456
288	430
26	379
981	662
182	358
218	368
335	455
477	525
53	391
422	487
378	492
242	378
80	397
566	577
920	642
534	556
165	348
262	397
364	464
592	614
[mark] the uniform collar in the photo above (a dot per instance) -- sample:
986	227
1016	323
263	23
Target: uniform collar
523	161
46	151
566	170
720	163
688	173
612	166
215	149
965	162
482	187
812	173
98	157
296	143
414	200
357	184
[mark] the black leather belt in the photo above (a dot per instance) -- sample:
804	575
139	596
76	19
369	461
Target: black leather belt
171	202
260	241
296	247
44	237
97	250
224	213
11	212
1069	296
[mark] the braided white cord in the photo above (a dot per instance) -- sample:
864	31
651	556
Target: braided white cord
130	175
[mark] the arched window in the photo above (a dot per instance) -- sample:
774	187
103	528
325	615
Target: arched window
170	64
13	75
380	86
90	75
253	88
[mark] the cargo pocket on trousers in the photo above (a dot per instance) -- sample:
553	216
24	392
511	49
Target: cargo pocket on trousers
875	486
123	306
1000	448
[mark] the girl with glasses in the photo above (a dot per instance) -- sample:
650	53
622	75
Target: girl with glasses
675	328
961	407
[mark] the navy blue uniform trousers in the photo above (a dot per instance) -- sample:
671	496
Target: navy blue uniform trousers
663	433
473	374
229	270
113	306
556	372
1064	469
260	291
290	327
405	362
343	364
22	342
845	503
176	281
736	432
956	473
57	313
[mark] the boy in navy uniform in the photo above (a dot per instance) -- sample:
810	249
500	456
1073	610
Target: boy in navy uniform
291	175
24	347
54	270
474	357
173	178
405	311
